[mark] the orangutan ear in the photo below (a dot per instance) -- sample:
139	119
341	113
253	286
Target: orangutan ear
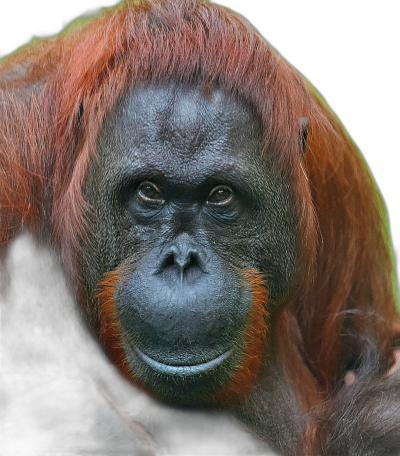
303	134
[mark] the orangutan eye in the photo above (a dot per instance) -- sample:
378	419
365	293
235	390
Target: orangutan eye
149	193
220	196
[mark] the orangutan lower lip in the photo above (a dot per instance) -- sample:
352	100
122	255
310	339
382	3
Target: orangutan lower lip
183	371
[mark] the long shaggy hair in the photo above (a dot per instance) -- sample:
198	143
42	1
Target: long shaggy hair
53	99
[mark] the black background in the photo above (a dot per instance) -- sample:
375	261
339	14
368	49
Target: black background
347	53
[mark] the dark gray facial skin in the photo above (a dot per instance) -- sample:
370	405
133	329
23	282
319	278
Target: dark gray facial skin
182	204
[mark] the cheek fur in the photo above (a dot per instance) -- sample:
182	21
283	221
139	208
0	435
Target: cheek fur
255	340
110	332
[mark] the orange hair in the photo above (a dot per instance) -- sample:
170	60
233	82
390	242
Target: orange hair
53	99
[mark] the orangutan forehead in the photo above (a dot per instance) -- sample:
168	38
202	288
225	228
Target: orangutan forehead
185	116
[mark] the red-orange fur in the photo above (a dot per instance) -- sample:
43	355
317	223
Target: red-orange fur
46	150
256	340
110	333
286	332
